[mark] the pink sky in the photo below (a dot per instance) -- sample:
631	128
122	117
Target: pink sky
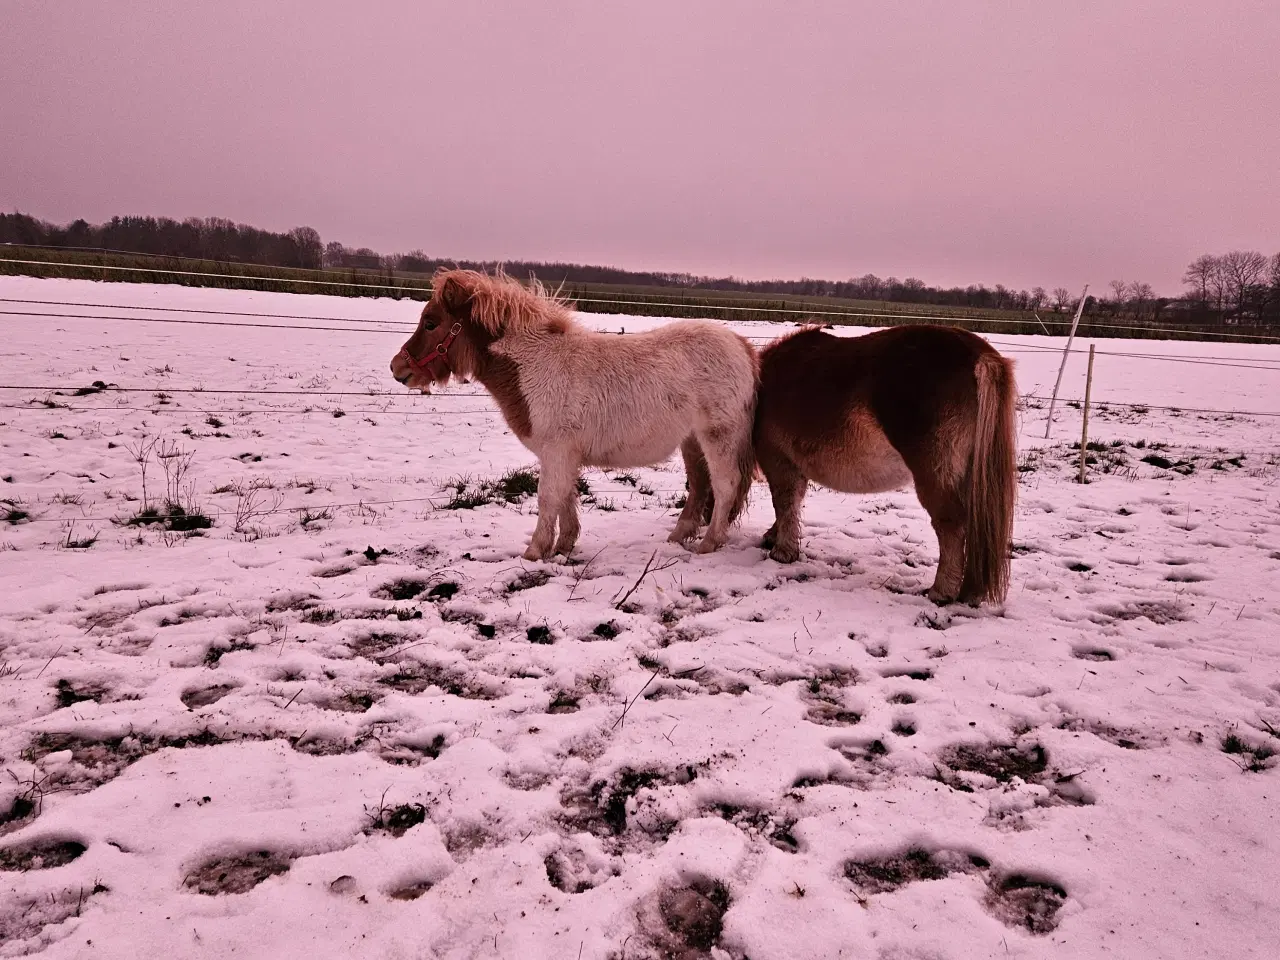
1023	143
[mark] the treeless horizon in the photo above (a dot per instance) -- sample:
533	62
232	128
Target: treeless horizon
958	143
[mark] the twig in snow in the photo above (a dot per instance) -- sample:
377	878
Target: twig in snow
648	569
632	701
582	572
49	661
293	698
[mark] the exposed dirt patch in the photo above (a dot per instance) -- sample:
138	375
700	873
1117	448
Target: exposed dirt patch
397	820
572	868
563	702
528	580
885	874
409	752
236	874
911	673
764	824
1096	654
968	767
40	854
1000	762
685	922
205	696
349	701
1126	737
466	839
1157	611
213	656
602	809
22	918
71	692
291	600
95	761
335	570
20	812
403	589
1018	901
376	645
832	715
412	891
415	677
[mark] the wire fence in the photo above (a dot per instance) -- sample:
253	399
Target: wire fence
384	326
374	326
707	303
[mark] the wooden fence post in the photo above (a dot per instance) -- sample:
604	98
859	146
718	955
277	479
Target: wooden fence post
1062	366
1084	431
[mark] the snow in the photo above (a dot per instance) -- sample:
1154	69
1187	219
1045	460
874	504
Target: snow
506	764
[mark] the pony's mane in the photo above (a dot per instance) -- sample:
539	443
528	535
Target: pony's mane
501	304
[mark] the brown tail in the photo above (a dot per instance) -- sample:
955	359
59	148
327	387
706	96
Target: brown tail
993	484
745	456
746	463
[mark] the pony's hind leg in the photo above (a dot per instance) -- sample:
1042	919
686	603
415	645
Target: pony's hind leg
722	451
947	514
787	485
557	484
697	501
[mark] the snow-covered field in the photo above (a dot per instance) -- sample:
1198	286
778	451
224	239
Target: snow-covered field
353	723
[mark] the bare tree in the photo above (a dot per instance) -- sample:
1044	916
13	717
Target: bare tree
1241	270
1199	276
1141	294
1037	299
1061	299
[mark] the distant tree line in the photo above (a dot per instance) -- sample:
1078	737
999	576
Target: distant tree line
212	238
1242	286
1237	287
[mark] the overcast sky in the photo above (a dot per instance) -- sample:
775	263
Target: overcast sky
957	141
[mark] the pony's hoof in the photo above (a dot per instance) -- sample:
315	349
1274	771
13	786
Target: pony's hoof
680	537
533	553
785	554
939	597
564	549
708	545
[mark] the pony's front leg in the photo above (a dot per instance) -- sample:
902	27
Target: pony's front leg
569	525
787	485
556	484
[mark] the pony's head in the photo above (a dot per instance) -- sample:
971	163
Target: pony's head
467	312
440	347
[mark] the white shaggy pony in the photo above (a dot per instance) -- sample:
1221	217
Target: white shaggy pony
579	398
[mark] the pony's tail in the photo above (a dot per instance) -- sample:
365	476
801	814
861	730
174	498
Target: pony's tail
993	484
744	455
745	462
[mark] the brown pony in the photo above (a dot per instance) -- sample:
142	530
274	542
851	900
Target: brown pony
579	398
929	404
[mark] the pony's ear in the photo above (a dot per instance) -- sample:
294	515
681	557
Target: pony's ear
456	296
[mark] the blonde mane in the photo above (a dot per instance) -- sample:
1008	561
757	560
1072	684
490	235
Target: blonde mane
500	304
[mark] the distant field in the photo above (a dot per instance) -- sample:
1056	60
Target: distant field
635	300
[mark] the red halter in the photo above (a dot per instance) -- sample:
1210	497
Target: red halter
437	353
